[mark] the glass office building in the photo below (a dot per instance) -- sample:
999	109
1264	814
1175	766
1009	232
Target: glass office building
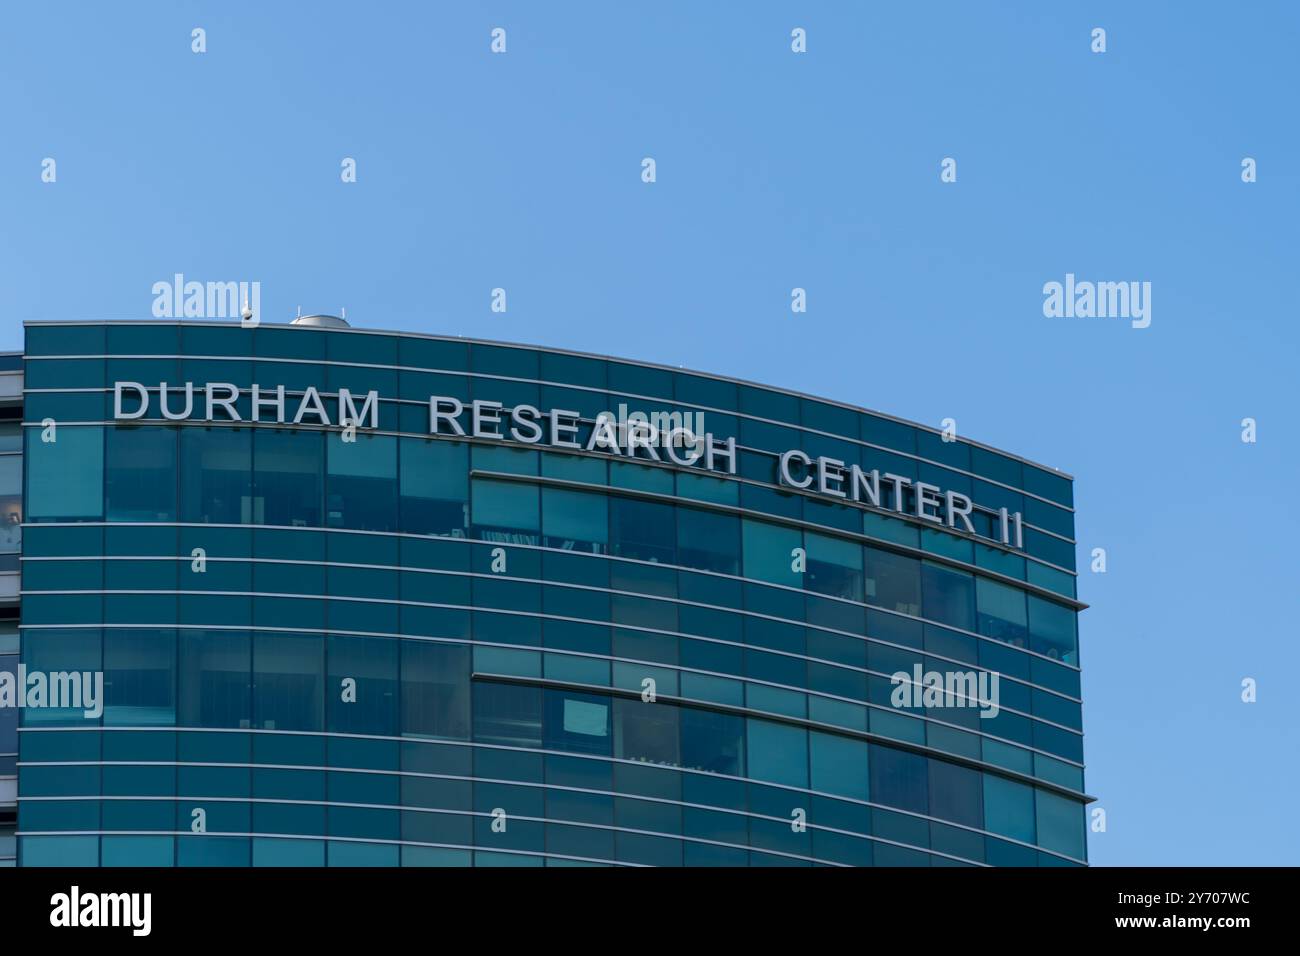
371	598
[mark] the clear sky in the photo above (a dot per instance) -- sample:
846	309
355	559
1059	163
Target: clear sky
777	170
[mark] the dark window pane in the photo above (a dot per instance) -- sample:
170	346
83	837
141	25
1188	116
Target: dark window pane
435	690
362	688
649	732
288	681
289	470
507	714
140	473
434	487
215	679
708	540
898	779
893	581
216	475
713	741
949	596
642	530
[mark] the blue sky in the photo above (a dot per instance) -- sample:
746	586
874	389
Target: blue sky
777	170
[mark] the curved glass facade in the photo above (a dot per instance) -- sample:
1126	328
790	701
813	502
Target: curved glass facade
430	605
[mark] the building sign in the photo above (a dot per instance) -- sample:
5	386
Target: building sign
662	437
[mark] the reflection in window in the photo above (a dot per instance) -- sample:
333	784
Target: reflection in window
434	487
362	482
216	475
289	469
215	680
140	473
708	540
893	581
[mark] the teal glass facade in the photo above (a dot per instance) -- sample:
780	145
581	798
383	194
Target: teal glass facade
396	648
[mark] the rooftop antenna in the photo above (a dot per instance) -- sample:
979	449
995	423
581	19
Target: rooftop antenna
343	313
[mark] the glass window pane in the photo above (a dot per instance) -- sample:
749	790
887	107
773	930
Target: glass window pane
769	551
1052	630
362	482
899	779
1002	612
834	566
649	732
955	793
65	477
507	714
579	723
435	690
289	472
140	473
777	753
434	487
574	520
288	681
505	511
708	540
712	741
1060	824
644	530
216	475
215	680
949	596
362	688
893	581
1008	808
139	677
839	765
